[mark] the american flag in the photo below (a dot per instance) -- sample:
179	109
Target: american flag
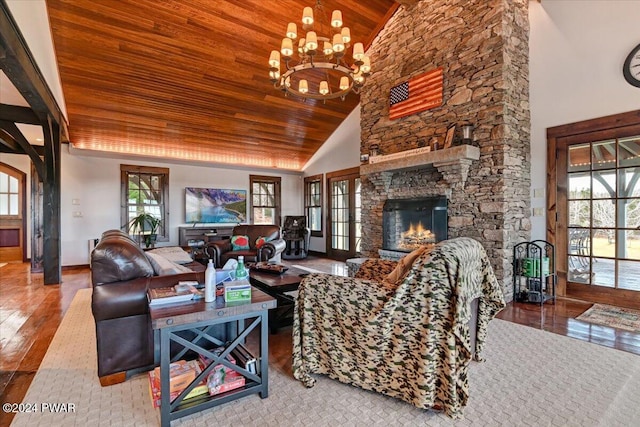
418	94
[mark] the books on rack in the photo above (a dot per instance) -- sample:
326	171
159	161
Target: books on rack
245	359
171	294
222	378
182	373
230	382
219	367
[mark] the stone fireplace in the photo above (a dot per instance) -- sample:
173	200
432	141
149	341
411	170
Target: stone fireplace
482	47
410	223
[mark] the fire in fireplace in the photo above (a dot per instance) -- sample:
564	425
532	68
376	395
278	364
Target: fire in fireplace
410	223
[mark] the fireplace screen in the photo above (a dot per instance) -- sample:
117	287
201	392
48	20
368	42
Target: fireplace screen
409	223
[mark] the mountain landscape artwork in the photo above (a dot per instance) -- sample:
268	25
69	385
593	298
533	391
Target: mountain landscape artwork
213	205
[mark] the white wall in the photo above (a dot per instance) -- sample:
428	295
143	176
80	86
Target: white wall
94	182
576	52
340	151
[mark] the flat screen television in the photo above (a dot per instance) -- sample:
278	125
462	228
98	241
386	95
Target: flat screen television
215	205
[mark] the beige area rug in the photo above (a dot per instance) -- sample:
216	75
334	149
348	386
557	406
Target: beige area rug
615	317
530	378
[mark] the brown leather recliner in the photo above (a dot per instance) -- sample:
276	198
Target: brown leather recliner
222	250
121	275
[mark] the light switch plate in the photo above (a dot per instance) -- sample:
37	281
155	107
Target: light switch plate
538	211
538	192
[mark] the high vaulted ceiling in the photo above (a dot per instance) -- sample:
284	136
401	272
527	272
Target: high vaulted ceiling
188	79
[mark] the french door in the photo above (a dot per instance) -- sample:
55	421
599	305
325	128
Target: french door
344	236
597	232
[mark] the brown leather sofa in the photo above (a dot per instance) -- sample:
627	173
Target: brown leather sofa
121	275
222	250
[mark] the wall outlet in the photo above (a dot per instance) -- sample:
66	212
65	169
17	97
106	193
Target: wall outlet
77	214
75	201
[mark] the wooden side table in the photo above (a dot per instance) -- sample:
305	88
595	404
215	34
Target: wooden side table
200	318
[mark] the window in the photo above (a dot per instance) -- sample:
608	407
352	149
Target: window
313	203
9	195
265	199
145	190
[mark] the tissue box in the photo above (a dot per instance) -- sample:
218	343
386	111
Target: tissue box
223	275
238	290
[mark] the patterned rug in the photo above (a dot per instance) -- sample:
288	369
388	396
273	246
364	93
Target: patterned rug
530	378
616	317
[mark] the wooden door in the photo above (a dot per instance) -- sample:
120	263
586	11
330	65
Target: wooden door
596	204
12	214
343	237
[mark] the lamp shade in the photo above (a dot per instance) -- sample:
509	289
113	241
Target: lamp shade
292	30
366	65
344	83
338	45
307	16
312	41
303	86
346	35
358	51
287	47
324	88
274	59
336	19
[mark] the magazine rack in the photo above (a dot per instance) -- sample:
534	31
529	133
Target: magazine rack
534	272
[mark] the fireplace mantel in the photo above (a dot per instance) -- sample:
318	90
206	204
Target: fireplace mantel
453	163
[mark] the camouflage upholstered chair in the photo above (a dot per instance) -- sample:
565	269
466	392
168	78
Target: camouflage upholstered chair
402	329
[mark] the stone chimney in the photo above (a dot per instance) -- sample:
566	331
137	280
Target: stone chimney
483	47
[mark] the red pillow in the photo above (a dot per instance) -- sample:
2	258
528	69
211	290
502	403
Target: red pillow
240	243
260	241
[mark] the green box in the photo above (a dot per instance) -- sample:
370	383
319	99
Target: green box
531	267
234	292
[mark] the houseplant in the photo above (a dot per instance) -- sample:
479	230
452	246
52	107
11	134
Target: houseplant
145	226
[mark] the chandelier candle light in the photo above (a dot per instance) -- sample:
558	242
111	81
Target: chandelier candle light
318	70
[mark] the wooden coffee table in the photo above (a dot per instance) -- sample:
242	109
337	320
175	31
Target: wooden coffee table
279	286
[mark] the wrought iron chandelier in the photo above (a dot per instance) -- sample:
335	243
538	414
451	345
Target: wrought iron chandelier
318	69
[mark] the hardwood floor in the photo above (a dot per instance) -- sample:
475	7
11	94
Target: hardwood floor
30	313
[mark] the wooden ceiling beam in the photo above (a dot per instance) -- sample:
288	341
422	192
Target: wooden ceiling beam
10	146
20	67
19	114
11	129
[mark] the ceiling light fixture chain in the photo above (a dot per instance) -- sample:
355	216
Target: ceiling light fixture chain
321	50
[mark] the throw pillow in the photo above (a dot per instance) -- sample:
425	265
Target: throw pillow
240	243
404	265
174	254
260	241
164	267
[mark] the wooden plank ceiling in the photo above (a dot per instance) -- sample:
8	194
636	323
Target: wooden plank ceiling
188	79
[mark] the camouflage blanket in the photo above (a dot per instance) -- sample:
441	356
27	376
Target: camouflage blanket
408	340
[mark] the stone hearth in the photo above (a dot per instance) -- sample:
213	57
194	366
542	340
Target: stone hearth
482	47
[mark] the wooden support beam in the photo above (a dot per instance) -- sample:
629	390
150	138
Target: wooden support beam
20	67
18	114
14	132
51	205
8	144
